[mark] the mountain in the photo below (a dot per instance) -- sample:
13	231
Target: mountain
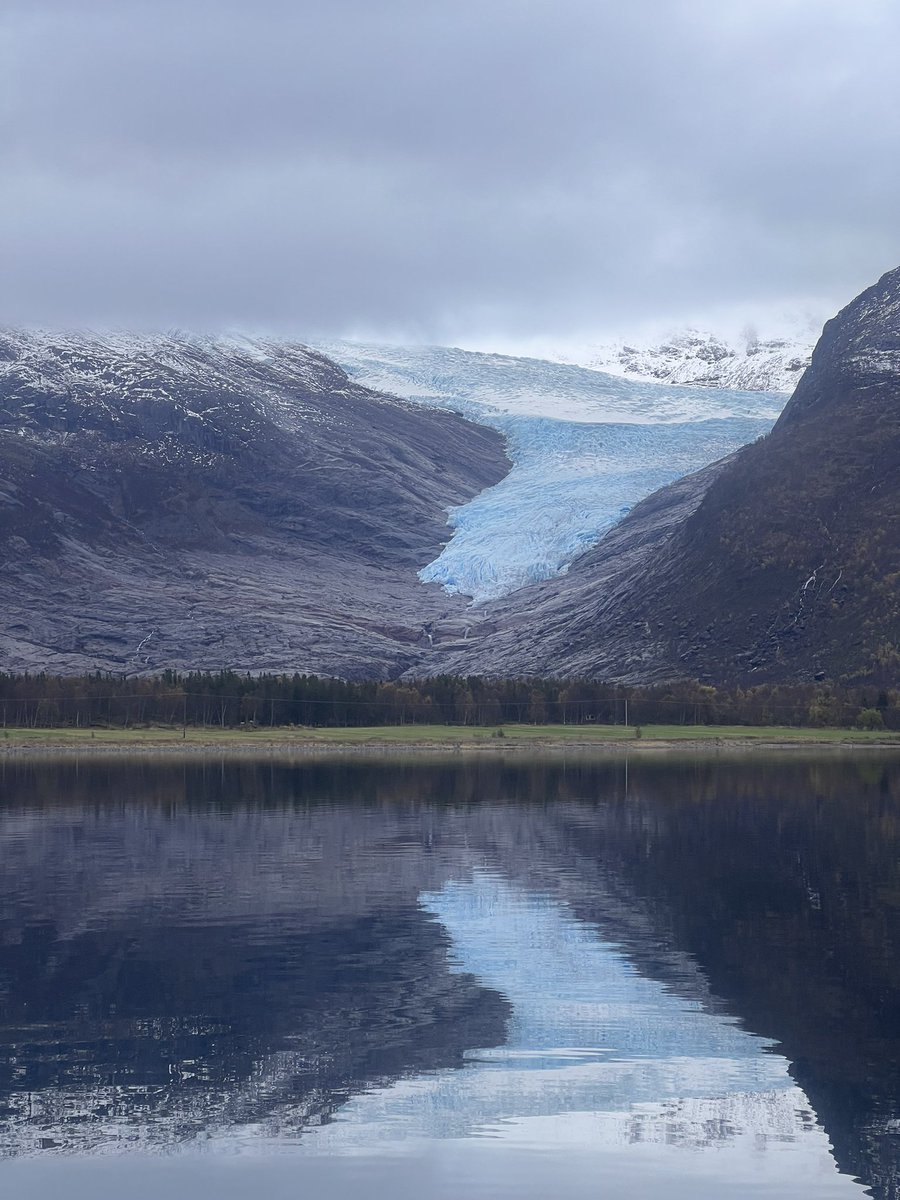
703	359
778	562
198	503
174	501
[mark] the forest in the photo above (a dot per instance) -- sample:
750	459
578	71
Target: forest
228	699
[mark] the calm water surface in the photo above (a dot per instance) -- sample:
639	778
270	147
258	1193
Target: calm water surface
436	979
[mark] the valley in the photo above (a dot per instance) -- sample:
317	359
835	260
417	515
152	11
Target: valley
369	511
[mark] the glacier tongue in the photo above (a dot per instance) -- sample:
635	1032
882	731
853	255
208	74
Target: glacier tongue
585	448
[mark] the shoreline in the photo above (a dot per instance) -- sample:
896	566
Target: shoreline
422	741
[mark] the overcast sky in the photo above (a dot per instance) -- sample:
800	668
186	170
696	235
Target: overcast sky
443	170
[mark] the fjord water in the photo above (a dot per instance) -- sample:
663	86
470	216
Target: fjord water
421	978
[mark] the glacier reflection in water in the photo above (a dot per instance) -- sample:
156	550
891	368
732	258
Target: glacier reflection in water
598	1060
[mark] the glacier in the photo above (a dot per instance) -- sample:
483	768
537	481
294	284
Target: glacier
585	447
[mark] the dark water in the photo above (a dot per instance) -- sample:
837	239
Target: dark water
475	978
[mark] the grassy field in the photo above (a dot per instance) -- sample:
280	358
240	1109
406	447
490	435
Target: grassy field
438	735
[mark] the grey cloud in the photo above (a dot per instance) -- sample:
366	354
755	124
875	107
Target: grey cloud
441	169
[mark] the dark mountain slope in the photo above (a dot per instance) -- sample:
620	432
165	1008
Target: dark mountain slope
182	502
782	562
797	543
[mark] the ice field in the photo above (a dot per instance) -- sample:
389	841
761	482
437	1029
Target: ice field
585	447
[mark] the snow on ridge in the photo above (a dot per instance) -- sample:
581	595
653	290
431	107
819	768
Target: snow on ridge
204	377
698	356
124	361
735	349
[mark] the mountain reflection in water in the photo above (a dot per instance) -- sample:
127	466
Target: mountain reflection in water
354	958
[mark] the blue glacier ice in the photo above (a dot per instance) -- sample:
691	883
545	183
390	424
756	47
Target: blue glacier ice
585	448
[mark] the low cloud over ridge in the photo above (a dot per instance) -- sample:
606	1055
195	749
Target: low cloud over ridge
439	171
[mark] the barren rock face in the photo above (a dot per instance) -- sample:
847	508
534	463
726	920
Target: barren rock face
191	503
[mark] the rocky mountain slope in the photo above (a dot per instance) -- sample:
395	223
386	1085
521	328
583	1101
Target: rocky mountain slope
184	502
780	562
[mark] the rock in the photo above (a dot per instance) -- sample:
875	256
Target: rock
243	502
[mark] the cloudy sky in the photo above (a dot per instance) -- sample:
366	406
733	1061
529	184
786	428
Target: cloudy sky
443	170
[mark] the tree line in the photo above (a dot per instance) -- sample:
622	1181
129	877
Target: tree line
229	699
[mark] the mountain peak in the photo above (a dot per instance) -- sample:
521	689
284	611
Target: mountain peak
779	562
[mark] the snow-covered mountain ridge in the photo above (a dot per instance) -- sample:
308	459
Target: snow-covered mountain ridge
701	358
58	380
